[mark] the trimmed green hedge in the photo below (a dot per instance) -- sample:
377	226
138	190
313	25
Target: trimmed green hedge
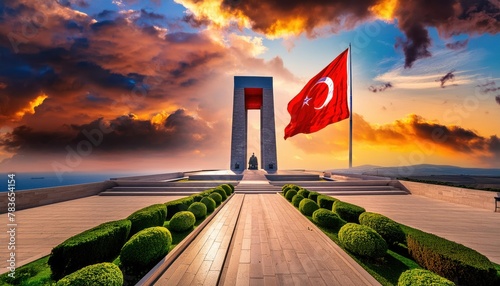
307	206
296	200
146	248
216	197
154	215
102	274
386	227
449	259
313	196
326	202
221	192
209	203
231	186
327	218
178	205
362	240
289	194
198	209
304	193
347	211
182	221
99	244
422	277
227	189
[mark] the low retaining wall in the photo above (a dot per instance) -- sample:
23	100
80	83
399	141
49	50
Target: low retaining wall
44	196
474	198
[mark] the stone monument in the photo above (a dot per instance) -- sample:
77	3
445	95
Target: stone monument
252	92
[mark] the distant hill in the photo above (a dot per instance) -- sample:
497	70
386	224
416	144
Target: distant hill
417	170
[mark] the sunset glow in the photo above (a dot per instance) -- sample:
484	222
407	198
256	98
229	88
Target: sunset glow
155	79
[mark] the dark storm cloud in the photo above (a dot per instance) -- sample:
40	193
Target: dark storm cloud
380	88
180	132
447	77
458	45
414	17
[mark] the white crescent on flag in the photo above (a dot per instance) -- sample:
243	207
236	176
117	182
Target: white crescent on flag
329	82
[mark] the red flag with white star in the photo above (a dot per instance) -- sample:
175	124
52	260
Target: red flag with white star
322	101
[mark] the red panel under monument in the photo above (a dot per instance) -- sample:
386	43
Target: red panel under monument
253	98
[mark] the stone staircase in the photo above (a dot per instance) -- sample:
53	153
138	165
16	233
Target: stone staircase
361	187
137	188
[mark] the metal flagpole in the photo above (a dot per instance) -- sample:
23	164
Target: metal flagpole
350	100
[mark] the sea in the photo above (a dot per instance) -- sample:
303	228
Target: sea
28	181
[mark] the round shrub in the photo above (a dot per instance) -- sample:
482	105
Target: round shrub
182	221
227	189
421	277
307	206
327	218
313	196
285	189
198	209
102	274
386	227
362	240
296	200
216	197
347	211
209	203
304	193
221	192
289	195
146	247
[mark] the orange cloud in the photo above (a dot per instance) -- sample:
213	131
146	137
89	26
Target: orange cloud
31	106
412	133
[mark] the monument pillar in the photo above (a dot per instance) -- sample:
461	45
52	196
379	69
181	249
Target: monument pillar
253	93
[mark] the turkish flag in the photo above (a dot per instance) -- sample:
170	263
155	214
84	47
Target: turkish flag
322	101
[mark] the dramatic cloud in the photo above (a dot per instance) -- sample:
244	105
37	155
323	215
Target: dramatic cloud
410	133
447	77
497	99
277	18
75	68
458	45
380	88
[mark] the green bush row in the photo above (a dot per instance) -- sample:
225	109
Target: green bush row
451	260
150	216
99	244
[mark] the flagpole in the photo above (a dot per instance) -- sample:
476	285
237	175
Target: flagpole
350	100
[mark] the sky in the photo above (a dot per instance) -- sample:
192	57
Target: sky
146	86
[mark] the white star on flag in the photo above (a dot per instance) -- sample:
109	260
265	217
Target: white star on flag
306	101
